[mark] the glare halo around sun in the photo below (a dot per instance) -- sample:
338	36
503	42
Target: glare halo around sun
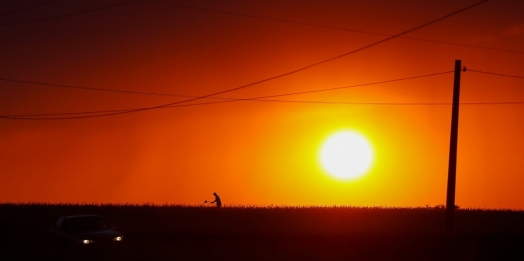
346	155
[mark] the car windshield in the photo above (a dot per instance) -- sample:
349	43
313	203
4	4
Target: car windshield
84	224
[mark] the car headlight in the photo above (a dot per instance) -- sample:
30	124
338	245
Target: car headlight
87	241
118	239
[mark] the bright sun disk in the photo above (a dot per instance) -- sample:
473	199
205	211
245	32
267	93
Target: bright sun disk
346	155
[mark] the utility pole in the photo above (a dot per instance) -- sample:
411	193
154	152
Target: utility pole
452	168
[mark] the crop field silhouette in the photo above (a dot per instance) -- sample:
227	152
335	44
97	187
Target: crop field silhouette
185	232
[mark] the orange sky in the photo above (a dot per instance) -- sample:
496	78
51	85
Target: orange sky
253	152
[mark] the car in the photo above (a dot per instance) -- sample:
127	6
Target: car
85	230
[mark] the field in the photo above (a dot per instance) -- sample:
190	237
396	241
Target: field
172	232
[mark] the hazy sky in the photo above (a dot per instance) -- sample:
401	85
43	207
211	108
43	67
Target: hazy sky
62	57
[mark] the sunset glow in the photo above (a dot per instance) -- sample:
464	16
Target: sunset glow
169	101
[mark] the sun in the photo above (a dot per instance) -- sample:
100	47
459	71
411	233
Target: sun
346	155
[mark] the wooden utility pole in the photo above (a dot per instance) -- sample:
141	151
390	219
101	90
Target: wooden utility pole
452	168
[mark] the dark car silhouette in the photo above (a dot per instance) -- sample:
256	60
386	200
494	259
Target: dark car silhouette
85	230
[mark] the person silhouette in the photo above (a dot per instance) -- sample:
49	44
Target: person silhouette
217	200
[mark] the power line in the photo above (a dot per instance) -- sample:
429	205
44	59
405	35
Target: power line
69	15
464	45
259	99
26	8
326	26
256	99
220	98
493	103
32	116
497	74
263	17
224	99
290	72
93	88
266	98
358	85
